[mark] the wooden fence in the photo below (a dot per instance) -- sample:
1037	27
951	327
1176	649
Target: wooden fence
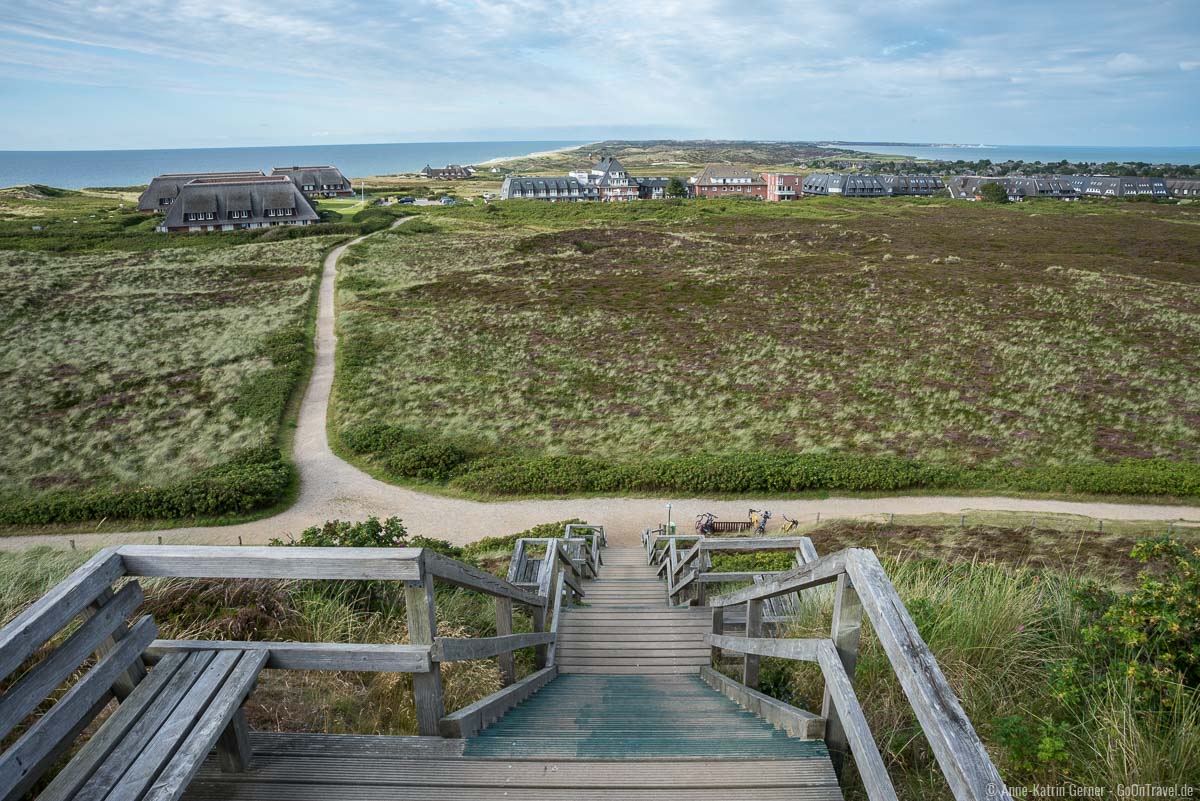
860	586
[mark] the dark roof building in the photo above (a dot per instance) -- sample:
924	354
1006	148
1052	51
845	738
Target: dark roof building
1117	185
1183	187
324	181
163	190
924	185
551	188
845	184
966	187
233	202
450	171
652	188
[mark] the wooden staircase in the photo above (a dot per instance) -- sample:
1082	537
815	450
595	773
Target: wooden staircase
628	628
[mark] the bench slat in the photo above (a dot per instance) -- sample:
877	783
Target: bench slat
110	735
129	744
37	685
187	760
21	764
162	746
34	627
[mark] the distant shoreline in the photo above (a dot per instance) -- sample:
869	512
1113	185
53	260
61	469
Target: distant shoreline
539	154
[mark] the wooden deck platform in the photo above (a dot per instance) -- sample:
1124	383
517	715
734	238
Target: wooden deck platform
311	767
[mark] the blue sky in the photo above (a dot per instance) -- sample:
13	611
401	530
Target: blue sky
193	73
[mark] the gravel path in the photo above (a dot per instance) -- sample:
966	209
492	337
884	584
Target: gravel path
330	488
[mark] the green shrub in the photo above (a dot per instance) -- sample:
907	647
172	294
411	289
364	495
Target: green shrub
787	473
370	533
254	480
1150	636
434	461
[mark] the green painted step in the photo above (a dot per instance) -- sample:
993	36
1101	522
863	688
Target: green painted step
635	717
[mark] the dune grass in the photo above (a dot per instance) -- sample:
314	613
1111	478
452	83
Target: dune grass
984	338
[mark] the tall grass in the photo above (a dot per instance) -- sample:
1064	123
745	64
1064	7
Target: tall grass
1001	636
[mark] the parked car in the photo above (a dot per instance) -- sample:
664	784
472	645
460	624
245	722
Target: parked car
447	201
407	201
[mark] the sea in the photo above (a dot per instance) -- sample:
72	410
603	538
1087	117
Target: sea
75	169
1043	153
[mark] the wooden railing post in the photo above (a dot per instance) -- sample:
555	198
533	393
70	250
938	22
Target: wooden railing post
718	627
845	632
504	625
422	629
701	588
753	629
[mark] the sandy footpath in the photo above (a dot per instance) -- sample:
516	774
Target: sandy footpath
331	488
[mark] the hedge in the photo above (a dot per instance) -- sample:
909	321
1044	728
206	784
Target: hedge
253	480
409	453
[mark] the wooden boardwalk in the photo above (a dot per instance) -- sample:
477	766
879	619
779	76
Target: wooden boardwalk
627	626
627	717
631	695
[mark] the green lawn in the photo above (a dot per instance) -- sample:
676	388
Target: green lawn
946	344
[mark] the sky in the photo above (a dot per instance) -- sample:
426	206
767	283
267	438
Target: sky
114	74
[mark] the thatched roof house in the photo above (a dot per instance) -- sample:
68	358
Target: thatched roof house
165	188
231	203
324	181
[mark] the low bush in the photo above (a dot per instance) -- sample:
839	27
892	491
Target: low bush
785	473
254	480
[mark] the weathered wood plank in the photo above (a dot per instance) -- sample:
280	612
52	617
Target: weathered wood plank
473	578
233	746
803	650
962	757
124	749
148	764
362	658
34	627
127	681
451	649
735	577
867	760
472	719
422	630
555	621
504	627
26	758
39	682
753	631
120	725
221	561
227	702
518	559
844	633
795	721
750	544
822	571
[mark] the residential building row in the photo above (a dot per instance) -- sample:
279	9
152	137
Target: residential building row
1074	187
607	181
230	201
448	173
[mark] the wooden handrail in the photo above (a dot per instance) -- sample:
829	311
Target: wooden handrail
863	586
823	571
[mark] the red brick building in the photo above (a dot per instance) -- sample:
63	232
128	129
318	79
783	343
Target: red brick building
783	185
721	180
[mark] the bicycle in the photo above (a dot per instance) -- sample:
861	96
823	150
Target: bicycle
704	523
789	524
758	519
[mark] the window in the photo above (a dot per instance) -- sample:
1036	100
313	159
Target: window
239	214
165	201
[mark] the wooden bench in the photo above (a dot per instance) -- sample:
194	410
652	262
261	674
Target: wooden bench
168	718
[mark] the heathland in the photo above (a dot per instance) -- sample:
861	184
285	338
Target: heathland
147	376
725	346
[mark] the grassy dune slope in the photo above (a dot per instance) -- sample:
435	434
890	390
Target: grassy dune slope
999	339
